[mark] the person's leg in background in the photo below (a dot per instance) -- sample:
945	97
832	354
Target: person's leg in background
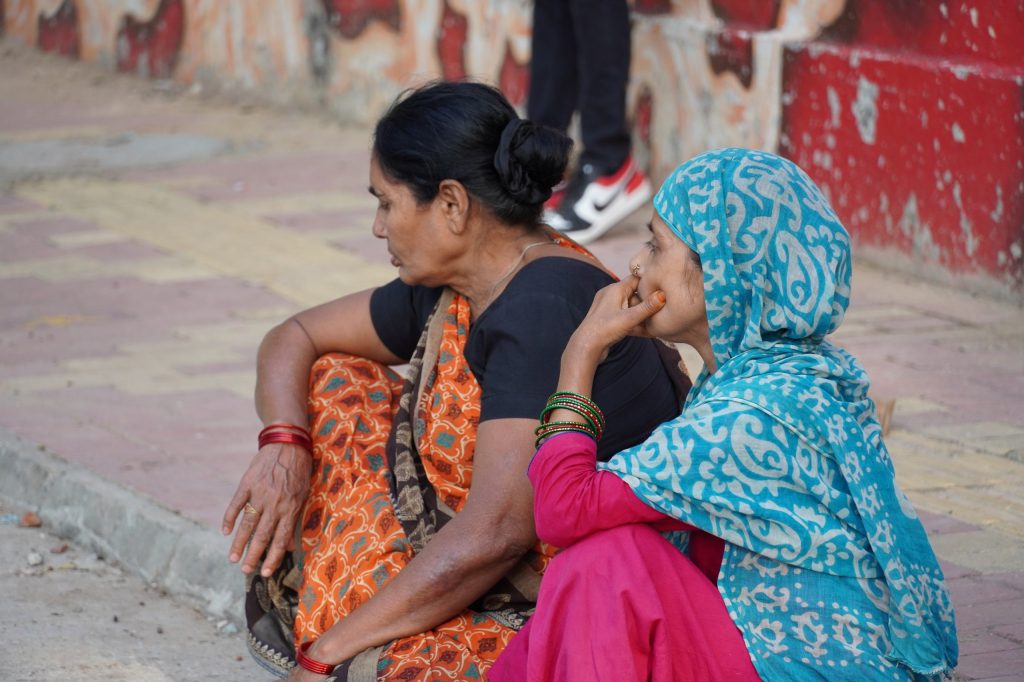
554	75
581	59
603	47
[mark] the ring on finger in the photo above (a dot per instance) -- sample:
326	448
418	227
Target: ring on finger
249	509
636	270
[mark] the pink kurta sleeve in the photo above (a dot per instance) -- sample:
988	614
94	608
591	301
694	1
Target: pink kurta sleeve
572	499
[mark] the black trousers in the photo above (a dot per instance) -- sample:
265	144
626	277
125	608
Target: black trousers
580	61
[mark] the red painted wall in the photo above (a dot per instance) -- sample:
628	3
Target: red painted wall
151	47
911	116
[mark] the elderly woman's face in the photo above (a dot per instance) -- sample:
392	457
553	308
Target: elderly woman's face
665	263
415	233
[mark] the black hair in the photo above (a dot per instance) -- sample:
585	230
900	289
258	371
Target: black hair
470	133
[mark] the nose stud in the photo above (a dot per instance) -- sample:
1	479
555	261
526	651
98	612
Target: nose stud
636	270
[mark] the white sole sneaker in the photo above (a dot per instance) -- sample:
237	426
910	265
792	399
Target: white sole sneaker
603	204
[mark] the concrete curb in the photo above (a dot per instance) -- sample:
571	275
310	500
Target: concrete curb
165	549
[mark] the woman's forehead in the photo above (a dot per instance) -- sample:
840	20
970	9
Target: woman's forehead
379	181
659	227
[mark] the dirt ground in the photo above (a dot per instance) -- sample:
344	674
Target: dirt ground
69	615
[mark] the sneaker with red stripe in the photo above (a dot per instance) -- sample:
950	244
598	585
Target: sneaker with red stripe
594	204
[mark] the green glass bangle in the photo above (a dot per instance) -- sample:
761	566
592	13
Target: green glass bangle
589	403
560	429
547	429
580	425
575	405
572	408
577	396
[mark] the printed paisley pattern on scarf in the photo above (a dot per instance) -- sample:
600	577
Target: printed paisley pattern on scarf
827	570
445	429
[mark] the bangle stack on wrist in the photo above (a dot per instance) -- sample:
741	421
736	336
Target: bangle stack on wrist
286	433
310	664
593	419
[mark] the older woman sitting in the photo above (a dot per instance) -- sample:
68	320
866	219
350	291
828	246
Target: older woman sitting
760	534
415	555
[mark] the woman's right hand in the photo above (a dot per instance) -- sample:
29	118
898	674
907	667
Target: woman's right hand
615	314
276	486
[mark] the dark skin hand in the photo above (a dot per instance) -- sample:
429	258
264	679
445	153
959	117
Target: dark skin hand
277	481
279	476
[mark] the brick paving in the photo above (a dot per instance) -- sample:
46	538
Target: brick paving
132	302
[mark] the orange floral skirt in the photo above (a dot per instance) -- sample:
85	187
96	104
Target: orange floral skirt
351	542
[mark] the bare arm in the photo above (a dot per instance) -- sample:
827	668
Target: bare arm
466	557
289	350
277	481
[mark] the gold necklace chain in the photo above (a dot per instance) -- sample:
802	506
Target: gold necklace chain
508	273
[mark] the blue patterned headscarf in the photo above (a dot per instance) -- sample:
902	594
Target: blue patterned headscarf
779	452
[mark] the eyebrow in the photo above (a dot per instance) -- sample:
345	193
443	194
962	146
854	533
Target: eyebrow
650	226
372	191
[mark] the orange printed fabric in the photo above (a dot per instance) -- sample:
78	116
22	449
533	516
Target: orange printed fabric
351	542
449	412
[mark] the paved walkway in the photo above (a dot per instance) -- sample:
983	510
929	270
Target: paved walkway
148	239
70	616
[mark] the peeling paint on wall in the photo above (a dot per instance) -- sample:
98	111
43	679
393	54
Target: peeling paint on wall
920	234
58	30
966	227
834	107
920	99
151	48
932	111
865	109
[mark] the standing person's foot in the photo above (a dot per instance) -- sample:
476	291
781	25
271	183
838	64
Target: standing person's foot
593	204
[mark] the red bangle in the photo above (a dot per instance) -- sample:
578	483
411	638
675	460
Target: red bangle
281	425
286	437
310	664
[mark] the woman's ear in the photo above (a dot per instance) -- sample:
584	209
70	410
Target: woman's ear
454	203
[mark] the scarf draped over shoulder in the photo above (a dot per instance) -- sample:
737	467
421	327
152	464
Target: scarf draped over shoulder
780	451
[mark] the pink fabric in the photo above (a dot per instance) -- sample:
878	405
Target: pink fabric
619	602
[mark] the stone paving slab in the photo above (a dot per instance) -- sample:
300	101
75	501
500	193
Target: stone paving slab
132	301
70	615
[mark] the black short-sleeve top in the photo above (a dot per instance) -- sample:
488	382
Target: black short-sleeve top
515	348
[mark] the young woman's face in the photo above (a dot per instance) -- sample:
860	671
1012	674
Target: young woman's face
415	232
665	263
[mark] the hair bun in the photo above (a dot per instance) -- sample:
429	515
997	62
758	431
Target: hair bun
513	173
